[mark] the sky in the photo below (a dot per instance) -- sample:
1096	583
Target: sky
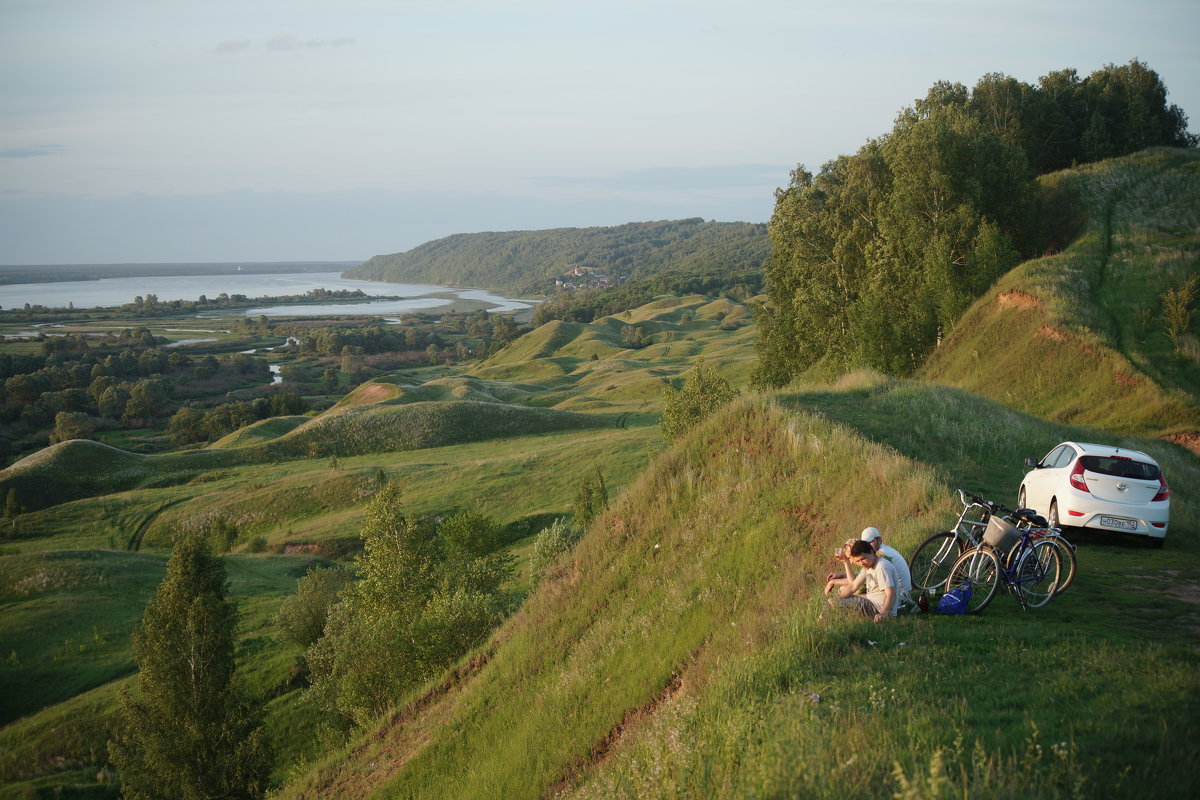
271	130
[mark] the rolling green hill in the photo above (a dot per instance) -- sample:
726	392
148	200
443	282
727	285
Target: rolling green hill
685	629
1079	335
277	485
680	650
529	261
81	468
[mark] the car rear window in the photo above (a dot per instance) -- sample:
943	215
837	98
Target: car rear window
1120	467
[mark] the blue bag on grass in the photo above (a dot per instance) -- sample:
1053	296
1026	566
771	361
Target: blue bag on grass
955	601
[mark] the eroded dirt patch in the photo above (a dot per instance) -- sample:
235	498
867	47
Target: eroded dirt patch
1018	300
1190	440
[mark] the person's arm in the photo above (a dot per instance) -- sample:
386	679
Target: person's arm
889	600
850	587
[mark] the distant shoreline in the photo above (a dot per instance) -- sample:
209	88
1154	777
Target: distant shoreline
60	273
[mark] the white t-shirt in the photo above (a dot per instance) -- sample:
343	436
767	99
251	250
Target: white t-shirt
903	575
876	581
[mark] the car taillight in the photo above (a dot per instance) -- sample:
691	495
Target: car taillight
1077	476
1164	491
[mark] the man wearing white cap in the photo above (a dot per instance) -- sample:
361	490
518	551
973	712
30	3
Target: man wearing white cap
903	575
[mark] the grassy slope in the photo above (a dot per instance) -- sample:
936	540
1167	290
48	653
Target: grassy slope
304	506
83	468
677	652
69	615
683	631
1081	330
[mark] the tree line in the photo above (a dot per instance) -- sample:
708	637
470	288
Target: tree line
529	261
878	253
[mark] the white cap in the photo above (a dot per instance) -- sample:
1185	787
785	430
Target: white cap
870	534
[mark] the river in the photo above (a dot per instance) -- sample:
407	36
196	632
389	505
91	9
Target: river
118	291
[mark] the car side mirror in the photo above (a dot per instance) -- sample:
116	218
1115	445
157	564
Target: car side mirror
1032	463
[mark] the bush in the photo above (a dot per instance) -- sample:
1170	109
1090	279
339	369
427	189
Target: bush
549	546
703	392
424	598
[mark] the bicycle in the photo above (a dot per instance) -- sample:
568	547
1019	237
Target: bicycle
1041	529
1029	566
931	561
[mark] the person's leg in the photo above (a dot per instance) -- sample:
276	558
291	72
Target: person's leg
859	603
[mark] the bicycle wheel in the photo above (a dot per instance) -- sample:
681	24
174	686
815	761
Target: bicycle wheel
1036	574
980	569
1067	554
931	562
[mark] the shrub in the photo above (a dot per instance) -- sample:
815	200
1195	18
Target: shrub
549	546
422	601
703	392
590	500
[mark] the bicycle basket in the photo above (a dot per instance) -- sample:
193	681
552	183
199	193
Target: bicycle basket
1001	534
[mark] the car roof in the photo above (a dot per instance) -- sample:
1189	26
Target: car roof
1107	450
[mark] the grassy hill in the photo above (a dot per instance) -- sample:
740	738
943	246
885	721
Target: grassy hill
529	261
685	629
478	442
82	468
1078	335
680	649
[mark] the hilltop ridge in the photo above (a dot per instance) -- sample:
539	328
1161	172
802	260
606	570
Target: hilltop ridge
1081	331
530	261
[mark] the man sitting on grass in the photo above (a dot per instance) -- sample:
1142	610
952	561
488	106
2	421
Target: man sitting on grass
878	577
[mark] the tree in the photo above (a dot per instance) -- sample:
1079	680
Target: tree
147	399
302	615
71	425
188	731
12	507
422	600
112	402
702	393
186	427
633	337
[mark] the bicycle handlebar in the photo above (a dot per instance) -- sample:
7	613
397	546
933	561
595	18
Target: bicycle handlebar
975	499
994	508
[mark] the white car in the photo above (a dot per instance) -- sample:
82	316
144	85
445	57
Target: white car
1094	486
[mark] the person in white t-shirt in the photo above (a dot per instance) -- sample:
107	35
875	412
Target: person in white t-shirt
874	537
878	579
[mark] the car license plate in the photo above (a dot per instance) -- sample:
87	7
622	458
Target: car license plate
1124	524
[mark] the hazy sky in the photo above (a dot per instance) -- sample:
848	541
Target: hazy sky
263	130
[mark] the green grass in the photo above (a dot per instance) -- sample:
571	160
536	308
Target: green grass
65	619
1082	333
675	652
70	615
671	653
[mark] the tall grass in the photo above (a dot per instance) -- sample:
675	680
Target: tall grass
680	652
1077	336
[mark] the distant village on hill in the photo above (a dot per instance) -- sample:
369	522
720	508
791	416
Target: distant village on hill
586	278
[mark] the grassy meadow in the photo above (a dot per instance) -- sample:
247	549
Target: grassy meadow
76	573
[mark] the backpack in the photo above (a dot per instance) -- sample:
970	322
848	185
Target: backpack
955	601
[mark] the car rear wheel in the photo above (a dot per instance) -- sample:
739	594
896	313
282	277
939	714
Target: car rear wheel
1052	517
